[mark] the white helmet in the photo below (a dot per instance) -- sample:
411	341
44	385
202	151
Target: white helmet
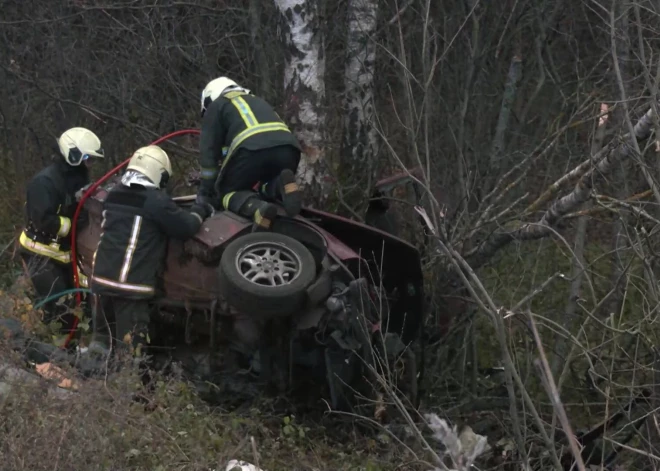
153	163
216	88
78	144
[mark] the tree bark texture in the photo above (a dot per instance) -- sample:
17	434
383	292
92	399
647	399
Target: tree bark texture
304	83
360	138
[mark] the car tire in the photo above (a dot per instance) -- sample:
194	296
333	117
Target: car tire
260	297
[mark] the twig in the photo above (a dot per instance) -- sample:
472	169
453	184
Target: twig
624	102
65	430
551	388
379	425
561	207
634	209
634	450
401	11
535	291
511	374
255	453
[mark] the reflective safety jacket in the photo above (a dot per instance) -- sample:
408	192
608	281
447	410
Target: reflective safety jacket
233	121
137	222
49	208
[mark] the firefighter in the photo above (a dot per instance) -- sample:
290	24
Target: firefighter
138	218
52	195
244	142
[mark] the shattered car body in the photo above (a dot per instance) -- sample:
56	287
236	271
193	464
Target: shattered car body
318	291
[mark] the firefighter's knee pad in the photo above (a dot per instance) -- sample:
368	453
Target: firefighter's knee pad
235	200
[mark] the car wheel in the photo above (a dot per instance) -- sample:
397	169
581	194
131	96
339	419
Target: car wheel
266	274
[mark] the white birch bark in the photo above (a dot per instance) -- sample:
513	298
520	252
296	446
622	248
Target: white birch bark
360	137
304	82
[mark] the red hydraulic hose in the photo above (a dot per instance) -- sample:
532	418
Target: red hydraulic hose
90	190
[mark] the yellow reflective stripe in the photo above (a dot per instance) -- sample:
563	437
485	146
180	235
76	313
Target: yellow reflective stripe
245	111
51	251
234	94
290	188
249	132
65	226
130	248
260	220
83	280
226	198
123	286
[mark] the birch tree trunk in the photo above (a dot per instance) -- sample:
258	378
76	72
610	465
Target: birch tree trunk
360	142
304	83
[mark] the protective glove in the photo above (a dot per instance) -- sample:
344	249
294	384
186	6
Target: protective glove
209	208
79	194
204	210
203	199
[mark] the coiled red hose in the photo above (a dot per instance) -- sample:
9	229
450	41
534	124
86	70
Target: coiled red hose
74	223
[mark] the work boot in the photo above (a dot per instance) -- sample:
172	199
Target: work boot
290	193
250	205
264	217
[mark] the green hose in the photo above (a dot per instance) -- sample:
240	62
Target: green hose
60	294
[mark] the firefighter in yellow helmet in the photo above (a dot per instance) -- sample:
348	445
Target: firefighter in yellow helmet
138	218
52	196
244	142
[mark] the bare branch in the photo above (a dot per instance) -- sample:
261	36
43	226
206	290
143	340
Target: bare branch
580	194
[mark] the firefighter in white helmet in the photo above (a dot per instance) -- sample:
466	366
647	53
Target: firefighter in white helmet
51	202
244	142
138	218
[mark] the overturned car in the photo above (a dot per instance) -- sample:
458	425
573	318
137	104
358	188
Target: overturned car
317	296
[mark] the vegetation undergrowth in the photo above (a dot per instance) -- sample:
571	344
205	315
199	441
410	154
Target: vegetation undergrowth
103	426
121	423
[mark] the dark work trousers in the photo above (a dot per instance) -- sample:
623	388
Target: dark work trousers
247	167
122	323
48	278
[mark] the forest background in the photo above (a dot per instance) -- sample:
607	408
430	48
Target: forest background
519	114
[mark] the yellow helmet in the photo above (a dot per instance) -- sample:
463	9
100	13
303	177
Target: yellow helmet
216	88
153	163
78	144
